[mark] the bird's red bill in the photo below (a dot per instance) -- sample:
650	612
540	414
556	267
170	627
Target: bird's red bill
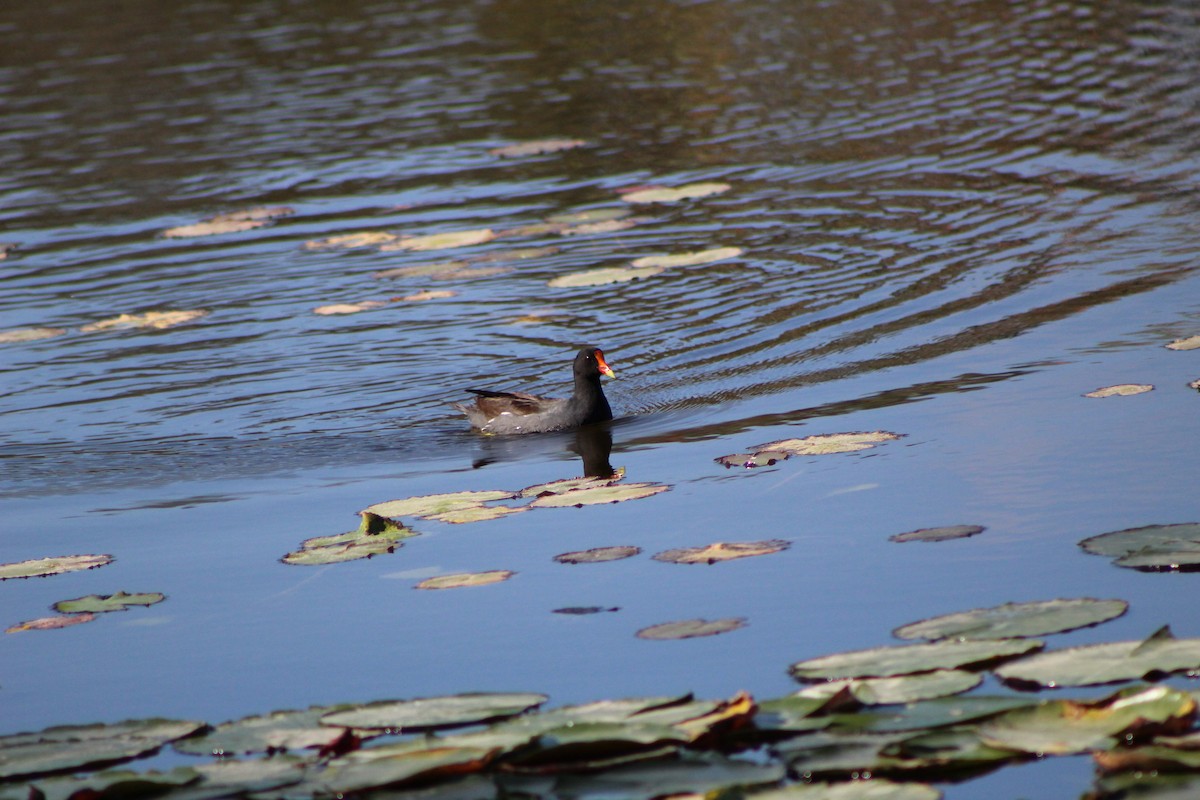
605	369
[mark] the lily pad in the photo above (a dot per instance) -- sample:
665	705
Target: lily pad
15	335
1060	727
1153	548
722	551
57	565
1159	654
397	765
941	534
597	495
691	628
882	662
607	226
537	148
1121	390
516	254
460	516
230	222
420	270
375	535
901	689
352	241
598	554
853	754
212	228
349	308
1036	618
691	191
689	259
687	775
602	276
571	484
822	444
267	733
442	241
51	623
461	580
429	505
100	603
1190	343
116	783
430	294
72	747
158	320
432	713
590	215
874	789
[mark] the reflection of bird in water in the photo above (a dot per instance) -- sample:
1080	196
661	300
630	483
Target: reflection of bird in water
518	412
594	445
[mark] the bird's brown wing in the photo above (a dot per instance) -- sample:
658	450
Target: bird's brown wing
493	404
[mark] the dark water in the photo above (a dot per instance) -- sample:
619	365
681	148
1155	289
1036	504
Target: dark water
956	218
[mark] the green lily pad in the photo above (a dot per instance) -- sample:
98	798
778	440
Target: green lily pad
687	774
926	715
460	580
883	662
665	195
98	603
944	750
598	554
459	516
397	765
938	534
691	628
1060	727
599	494
431	504
57	565
571	484
375	535
901	689
722	551
1016	620
1153	548
602	276
688	259
267	733
1089	665
74	747
431	713
874	789
111	784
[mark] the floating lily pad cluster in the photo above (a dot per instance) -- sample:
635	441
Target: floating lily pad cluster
875	723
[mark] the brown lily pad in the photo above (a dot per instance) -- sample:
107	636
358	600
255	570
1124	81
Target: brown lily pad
460	580
1121	390
598	554
349	308
352	241
1190	343
51	623
151	319
32	334
722	551
537	148
691	191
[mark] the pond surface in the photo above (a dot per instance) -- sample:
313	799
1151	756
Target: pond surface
955	219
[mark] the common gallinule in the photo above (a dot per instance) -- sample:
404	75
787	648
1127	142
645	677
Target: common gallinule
517	412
